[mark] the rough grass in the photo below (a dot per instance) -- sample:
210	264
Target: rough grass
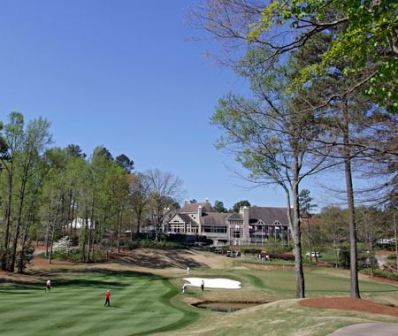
285	318
141	304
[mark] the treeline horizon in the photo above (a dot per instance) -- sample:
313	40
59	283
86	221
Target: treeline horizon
43	189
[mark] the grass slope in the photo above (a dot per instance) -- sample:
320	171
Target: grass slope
281	318
141	304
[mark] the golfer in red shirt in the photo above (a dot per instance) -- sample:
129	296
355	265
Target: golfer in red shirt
107	298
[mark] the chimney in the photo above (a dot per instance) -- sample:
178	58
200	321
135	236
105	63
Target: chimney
200	212
244	211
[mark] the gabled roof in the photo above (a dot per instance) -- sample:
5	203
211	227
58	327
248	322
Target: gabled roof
187	219
268	215
214	218
193	207
235	216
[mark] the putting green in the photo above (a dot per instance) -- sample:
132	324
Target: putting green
140	304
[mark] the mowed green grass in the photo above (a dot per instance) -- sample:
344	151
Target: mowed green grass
140	304
284	315
280	283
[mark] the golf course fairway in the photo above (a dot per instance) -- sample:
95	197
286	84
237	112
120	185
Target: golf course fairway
140	304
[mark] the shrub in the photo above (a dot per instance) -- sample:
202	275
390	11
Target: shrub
283	256
25	256
272	246
250	250
380	273
62	245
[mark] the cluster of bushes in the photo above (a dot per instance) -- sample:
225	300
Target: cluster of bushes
365	259
272	254
270	247
250	250
283	256
380	273
277	247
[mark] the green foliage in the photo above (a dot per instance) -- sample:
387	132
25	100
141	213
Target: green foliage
366	38
306	205
52	192
25	256
250	250
272	246
380	273
236	207
219	206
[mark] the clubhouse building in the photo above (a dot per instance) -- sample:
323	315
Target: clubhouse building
252	225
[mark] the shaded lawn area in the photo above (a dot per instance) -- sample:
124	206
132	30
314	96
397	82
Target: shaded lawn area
141	304
279	284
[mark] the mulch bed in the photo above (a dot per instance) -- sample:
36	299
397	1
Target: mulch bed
345	303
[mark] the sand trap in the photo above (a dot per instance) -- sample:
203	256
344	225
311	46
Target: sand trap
214	283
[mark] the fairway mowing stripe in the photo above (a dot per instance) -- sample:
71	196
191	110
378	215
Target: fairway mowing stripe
169	316
45	310
48	303
71	310
128	292
86	315
144	303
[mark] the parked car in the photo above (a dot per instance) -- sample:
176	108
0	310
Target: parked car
313	254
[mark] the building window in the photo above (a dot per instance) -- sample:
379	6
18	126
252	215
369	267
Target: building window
236	234
214	229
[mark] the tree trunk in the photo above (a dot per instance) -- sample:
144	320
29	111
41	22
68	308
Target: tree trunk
139	217
25	234
7	221
396	238
119	220
47	236
19	216
83	237
21	262
350	200
298	257
294	225
51	243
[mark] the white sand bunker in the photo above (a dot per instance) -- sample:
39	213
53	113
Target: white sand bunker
214	283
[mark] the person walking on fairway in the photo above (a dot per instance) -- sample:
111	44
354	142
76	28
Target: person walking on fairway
202	285
107	298
184	287
48	286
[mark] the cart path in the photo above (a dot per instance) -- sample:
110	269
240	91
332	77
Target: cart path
368	329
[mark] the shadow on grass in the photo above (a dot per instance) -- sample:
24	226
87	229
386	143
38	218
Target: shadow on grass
80	282
122	273
168	258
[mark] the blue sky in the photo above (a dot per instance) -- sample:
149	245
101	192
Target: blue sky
125	74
